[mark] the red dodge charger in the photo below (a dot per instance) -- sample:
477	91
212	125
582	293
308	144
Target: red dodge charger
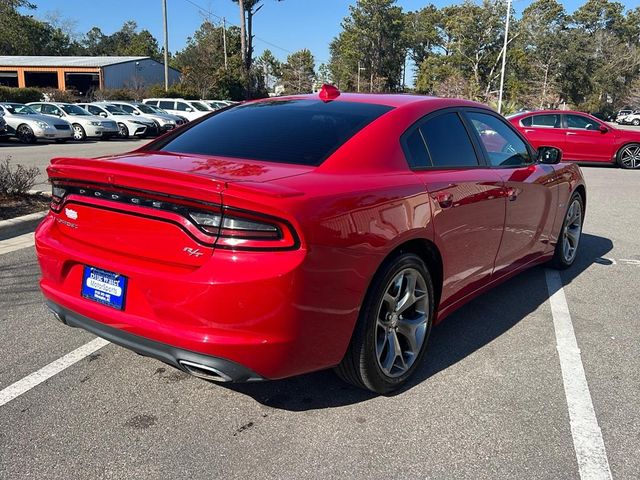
290	235
580	136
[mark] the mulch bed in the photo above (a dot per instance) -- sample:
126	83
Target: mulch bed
18	205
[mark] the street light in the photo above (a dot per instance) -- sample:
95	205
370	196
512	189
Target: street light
504	55
359	69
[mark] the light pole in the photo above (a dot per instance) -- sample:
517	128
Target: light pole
359	70
166	46
504	55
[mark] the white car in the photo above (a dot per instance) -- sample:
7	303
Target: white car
631	119
128	125
84	123
192	109
29	126
166	121
215	104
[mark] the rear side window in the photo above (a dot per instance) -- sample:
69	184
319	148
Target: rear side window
303	132
547	120
126	108
448	142
166	105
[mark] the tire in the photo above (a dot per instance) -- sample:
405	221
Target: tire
78	132
636	122
566	249
628	157
123	131
25	134
372	361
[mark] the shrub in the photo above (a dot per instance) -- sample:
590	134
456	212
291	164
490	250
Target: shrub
176	91
116	94
18	180
20	95
55	95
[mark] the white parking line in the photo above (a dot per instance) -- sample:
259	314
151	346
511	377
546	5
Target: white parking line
16	243
36	378
587	437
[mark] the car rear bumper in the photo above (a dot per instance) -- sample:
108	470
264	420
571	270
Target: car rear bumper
249	309
205	366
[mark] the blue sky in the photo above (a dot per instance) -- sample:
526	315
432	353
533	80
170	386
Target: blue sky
282	27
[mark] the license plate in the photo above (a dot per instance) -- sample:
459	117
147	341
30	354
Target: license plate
104	287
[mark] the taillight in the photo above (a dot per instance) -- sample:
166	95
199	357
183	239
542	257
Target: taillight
245	230
229	227
57	195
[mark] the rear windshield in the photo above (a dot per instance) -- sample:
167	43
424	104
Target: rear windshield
303	132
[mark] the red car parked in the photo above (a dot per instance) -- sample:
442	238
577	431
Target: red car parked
580	136
290	235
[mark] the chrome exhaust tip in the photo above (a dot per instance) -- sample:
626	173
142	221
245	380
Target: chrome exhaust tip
56	315
204	371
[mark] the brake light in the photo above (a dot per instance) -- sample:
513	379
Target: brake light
229	227
247	230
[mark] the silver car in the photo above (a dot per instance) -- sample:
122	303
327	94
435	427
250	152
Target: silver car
128	125
166	121
84	123
29	126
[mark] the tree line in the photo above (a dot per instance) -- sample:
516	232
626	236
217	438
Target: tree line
589	59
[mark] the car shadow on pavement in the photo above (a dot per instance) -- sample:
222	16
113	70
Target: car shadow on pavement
472	327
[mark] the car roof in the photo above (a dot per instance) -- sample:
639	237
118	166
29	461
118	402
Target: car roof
551	112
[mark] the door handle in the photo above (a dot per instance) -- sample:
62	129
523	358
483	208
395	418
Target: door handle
571	133
528	130
512	194
445	200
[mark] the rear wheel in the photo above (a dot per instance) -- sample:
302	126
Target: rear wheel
629	156
636	122
78	133
391	335
25	134
569	238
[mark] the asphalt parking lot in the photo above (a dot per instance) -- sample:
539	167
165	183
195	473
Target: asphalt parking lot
489	402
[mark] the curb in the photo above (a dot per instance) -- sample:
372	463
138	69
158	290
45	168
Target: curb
20	225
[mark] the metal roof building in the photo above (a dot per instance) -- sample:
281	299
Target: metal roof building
82	73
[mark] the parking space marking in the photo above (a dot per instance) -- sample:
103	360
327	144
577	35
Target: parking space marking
16	243
36	378
587	437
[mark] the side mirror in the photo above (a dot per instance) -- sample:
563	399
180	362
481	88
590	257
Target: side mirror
549	155
136	113
603	129
103	115
189	109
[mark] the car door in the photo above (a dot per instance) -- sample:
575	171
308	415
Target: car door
531	191
467	200
544	130
585	141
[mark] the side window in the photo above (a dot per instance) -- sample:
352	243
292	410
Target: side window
448	142
526	122
166	105
416	150
181	106
152	102
547	120
504	147
127	108
582	123
48	109
37	108
94	110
